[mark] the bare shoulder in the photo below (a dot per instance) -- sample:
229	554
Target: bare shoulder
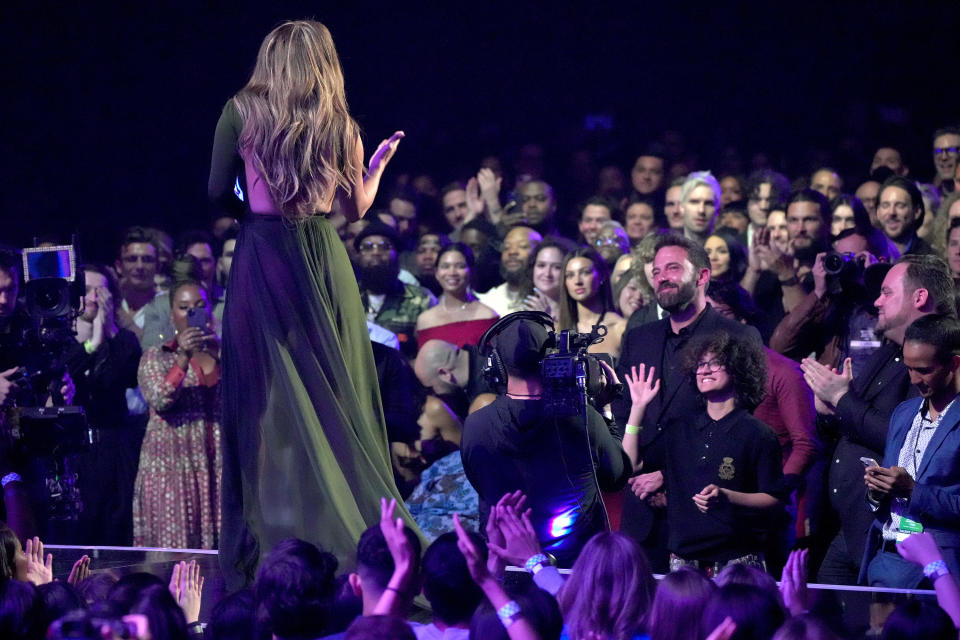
482	311
429	318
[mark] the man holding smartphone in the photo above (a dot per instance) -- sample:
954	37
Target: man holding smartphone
917	488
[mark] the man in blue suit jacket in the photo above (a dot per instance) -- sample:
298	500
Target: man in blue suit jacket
918	486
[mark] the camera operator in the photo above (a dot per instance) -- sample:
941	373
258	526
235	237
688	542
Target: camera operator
561	462
21	476
103	363
836	319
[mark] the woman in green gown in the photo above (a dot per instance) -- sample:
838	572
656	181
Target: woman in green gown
304	443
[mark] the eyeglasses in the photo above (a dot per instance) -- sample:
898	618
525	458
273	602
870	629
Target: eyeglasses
939	151
370	247
709	366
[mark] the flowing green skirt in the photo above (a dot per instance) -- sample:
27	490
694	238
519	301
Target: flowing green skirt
304	443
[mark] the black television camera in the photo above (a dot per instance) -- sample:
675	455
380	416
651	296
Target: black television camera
570	373
53	294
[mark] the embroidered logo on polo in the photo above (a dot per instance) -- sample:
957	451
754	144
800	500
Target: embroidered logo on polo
726	470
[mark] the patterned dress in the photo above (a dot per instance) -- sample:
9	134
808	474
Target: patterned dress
176	500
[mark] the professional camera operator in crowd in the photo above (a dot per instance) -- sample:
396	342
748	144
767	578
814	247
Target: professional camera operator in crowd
560	459
37	482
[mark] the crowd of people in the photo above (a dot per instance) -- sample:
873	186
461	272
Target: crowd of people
758	364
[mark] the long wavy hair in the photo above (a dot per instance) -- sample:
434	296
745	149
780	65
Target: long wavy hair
297	130
610	590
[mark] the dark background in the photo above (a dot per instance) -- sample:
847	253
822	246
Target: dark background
110	110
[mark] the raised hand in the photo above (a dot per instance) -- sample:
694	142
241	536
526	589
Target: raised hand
80	570
644	385
520	539
489	183
190	590
174	586
478	570
474	202
397	542
384	153
793	582
39	569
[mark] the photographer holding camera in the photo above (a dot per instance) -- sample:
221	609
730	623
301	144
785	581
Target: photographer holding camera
560	461
836	319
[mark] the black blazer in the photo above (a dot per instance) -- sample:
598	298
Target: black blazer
645	344
678	397
863	422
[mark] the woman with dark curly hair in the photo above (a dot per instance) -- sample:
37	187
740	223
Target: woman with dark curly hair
722	470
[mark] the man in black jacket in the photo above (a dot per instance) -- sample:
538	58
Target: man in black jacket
681	272
863	401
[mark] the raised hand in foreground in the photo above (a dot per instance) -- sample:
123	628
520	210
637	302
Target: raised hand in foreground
39	570
186	587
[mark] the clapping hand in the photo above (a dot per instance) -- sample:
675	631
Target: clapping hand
474	201
793	582
80	570
39	570
495	535
475	564
186	587
520	542
827	384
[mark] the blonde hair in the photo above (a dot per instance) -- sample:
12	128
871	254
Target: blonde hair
297	130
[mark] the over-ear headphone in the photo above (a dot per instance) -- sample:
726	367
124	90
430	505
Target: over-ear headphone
494	371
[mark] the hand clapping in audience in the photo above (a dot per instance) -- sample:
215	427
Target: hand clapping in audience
39	570
793	582
186	587
80	570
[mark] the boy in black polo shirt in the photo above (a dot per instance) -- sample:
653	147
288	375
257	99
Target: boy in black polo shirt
722	470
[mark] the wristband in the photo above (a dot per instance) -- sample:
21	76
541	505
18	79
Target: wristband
535	563
792	281
935	570
507	613
10	477
88	347
632	429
